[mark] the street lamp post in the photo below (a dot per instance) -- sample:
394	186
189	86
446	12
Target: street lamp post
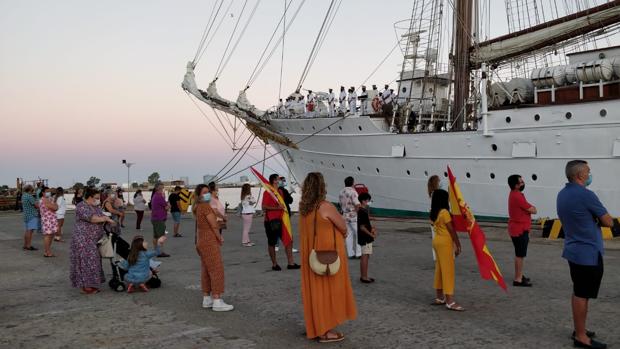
128	164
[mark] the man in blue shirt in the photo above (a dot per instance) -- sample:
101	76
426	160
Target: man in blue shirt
31	216
579	209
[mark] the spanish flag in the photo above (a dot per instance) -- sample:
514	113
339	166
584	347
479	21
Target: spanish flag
287	232
464	221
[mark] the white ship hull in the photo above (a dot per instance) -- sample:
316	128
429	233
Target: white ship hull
361	147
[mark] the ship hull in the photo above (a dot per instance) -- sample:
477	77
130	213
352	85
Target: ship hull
535	142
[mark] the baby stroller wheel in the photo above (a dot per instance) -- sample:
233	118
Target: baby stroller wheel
117	286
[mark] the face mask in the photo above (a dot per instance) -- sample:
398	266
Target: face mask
112	196
522	187
589	180
442	185
369	203
48	195
206	197
97	202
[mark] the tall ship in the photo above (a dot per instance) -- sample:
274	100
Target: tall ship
526	102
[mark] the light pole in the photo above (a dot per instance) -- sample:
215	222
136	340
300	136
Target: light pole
128	164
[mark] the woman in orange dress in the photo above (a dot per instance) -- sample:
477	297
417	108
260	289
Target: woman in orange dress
328	300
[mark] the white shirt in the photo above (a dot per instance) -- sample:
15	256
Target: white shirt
387	96
343	97
352	97
248	204
139	204
332	97
62	207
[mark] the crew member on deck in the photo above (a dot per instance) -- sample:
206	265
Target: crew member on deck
281	111
311	104
352	100
331	103
343	100
363	98
386	95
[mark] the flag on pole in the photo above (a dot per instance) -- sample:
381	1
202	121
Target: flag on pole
464	221
287	232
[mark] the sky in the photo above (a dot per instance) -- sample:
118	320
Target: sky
85	84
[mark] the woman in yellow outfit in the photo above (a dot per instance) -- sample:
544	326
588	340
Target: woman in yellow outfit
444	244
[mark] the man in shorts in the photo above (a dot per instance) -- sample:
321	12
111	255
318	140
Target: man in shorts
273	211
175	210
31	217
519	224
159	213
365	237
581	213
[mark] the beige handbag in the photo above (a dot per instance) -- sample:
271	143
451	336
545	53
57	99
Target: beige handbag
324	262
106	250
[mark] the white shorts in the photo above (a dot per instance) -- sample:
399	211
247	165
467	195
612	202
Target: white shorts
367	249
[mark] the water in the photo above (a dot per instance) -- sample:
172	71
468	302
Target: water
227	195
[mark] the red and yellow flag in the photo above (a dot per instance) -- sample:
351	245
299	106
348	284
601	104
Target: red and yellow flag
464	221
287	232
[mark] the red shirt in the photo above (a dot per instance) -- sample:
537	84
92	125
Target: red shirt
269	200
520	218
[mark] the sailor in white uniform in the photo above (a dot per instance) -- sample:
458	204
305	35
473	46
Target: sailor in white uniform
281	111
331	103
387	94
352	100
343	100
363	101
311	104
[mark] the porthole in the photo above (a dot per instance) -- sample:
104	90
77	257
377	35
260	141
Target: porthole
492	175
426	173
534	177
342	165
508	119
377	170
359	127
340	127
408	173
603	112
322	163
333	164
537	117
494	147
569	115
302	128
358	168
329	128
468	175
312	161
445	174
314	128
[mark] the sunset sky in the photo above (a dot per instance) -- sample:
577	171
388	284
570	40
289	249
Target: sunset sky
85	84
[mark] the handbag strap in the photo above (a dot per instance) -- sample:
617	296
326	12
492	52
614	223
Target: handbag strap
315	235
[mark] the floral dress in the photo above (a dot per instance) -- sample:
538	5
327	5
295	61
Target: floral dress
85	268
49	224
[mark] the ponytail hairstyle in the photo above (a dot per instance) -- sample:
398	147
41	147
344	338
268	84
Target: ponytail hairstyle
137	245
440	200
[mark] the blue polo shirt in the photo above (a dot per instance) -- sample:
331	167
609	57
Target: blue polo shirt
577	209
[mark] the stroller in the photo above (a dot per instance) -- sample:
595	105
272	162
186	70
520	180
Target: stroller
121	249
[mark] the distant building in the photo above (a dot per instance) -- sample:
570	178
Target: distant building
185	180
112	185
244	179
207	178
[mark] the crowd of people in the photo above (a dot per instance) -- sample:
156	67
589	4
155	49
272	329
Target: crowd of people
328	235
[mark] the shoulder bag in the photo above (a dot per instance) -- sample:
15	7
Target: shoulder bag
324	262
106	250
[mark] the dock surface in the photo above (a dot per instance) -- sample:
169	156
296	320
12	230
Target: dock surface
38	307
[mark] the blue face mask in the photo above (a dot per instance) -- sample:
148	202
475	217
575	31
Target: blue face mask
206	197
589	180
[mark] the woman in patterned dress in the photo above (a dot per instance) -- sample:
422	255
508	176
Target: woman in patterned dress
86	272
49	224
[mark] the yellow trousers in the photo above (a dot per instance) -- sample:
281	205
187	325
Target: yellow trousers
444	264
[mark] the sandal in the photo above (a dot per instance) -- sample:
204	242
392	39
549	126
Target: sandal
454	307
89	290
49	255
327	339
58	239
438	301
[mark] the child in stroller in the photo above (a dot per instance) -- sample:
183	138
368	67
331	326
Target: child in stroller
138	263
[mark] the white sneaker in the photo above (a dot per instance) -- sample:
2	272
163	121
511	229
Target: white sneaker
207	302
277	249
220	305
295	250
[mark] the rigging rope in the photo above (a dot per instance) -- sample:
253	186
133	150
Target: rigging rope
238	160
281	151
230	39
207	117
207	30
380	64
215	32
304	72
236	153
245	27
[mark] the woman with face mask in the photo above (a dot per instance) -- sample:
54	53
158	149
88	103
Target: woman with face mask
208	244
86	272
49	224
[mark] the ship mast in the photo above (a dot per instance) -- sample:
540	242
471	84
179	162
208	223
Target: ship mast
462	43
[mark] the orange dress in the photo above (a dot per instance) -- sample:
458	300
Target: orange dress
328	300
